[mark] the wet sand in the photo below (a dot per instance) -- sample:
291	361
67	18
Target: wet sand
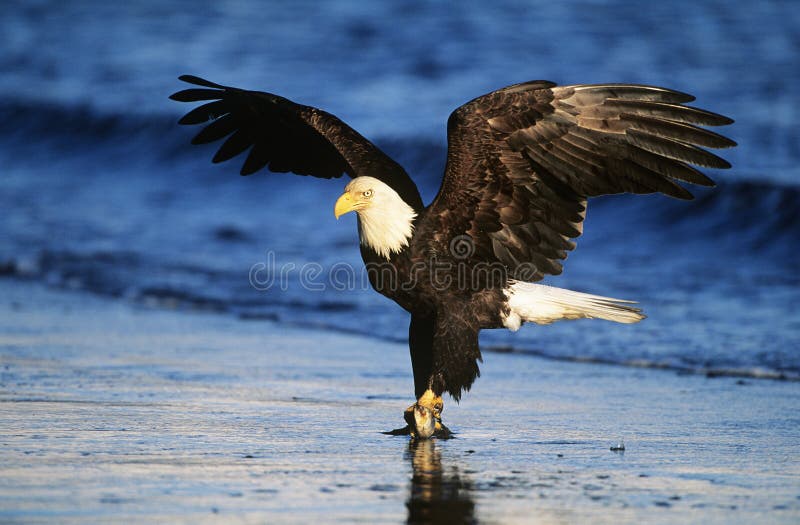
111	412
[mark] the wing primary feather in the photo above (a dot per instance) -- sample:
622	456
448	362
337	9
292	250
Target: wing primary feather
676	131
646	180
237	143
196	94
669	167
676	112
256	159
674	149
222	127
591	94
204	113
191	79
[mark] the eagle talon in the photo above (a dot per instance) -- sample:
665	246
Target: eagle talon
424	418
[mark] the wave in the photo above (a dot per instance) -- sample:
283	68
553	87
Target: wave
119	276
51	130
738	216
749	229
711	371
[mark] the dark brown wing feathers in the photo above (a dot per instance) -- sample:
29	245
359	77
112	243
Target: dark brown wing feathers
523	160
286	137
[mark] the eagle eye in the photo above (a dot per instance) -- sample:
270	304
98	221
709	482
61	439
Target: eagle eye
367	194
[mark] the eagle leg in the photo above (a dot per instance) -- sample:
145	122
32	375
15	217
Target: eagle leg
424	417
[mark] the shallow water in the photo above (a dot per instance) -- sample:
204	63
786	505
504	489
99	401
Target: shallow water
113	413
101	191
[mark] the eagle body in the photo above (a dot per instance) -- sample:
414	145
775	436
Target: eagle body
522	162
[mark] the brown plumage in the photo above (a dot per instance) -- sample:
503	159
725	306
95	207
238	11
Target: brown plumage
521	163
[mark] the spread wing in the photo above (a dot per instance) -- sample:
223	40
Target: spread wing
286	137
522	161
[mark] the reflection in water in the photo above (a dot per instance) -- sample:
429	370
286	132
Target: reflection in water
436	496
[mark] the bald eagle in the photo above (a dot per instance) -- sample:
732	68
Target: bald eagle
521	163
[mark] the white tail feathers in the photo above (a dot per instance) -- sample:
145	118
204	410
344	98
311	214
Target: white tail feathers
540	304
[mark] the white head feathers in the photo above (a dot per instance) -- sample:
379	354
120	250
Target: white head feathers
386	222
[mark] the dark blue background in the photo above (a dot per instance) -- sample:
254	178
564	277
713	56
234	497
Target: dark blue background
101	192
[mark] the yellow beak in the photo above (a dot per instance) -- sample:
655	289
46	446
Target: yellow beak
344	204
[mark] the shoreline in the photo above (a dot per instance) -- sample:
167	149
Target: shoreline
113	412
754	373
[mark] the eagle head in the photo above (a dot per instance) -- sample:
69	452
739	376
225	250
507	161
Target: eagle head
386	221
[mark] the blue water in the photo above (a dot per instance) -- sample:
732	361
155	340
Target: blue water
100	191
